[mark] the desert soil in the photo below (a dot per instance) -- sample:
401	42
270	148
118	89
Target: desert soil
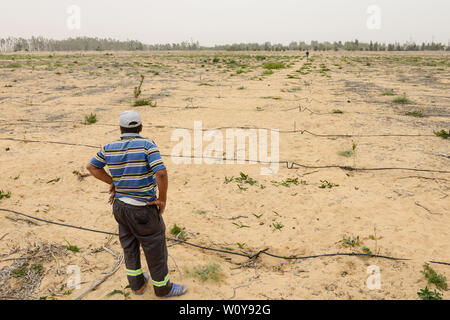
398	213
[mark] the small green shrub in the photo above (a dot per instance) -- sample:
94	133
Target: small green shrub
90	119
4	194
401	99
426	294
350	242
144	102
19	272
126	294
443	134
141	102
178	232
326	184
240	245
439	280
287	182
274	65
415	113
38	268
245	178
228	180
72	248
277	226
212	272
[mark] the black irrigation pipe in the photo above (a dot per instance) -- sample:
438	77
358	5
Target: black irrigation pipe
358	135
289	165
336	254
249	256
360	169
57	223
438	262
52	142
301	131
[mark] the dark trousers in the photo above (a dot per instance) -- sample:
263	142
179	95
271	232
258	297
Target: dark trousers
143	226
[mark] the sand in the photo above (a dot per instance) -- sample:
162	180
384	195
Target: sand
407	212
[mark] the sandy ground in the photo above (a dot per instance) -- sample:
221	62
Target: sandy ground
395	212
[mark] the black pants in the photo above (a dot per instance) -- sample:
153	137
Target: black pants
143	226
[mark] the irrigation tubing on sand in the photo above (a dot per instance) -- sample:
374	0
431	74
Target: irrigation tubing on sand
289	164
301	131
249	256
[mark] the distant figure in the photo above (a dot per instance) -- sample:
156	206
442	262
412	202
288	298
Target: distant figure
307	54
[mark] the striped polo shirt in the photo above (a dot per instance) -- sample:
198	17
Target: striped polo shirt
132	162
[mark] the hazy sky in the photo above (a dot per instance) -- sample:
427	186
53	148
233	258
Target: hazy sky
230	21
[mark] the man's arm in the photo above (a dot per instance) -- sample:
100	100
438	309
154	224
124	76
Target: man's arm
99	173
102	175
162	179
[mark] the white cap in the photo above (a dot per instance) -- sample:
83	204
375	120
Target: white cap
130	119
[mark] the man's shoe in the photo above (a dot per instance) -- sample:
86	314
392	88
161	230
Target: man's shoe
146	278
177	290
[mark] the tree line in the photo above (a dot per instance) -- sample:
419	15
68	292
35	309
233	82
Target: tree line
33	44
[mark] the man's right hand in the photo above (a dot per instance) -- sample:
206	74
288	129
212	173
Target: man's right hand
112	193
160	204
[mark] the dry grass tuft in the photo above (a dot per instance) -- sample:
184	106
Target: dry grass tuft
20	280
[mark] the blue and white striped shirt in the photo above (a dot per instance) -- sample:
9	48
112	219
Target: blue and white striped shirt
132	162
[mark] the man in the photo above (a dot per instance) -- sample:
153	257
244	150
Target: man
136	168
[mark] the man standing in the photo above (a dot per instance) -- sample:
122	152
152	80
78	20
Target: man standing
136	170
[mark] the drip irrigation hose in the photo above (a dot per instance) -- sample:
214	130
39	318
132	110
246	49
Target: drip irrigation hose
301	131
289	165
249	256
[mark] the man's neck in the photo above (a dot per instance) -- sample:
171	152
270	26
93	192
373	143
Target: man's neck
130	135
